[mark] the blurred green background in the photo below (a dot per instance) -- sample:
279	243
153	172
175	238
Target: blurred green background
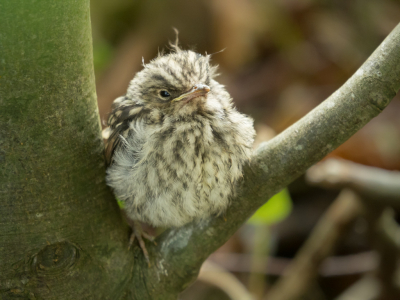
281	58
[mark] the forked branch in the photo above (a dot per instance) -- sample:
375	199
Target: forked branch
180	252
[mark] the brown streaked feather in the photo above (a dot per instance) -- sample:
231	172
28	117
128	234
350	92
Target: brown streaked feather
122	114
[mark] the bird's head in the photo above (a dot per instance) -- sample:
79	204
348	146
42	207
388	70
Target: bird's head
177	81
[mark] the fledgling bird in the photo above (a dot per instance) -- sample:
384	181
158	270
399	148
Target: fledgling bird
175	143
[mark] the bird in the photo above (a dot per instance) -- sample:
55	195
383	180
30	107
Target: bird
175	143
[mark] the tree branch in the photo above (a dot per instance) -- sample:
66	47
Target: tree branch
180	252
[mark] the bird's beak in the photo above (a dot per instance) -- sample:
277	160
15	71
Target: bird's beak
196	91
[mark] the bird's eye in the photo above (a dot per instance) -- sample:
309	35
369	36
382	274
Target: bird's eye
164	94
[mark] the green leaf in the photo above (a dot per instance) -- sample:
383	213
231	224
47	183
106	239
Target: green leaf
121	204
275	210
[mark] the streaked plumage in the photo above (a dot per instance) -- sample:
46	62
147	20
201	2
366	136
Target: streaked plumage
172	161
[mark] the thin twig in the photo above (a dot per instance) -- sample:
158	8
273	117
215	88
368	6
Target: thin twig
378	188
332	266
371	183
213	274
321	243
385	234
367	288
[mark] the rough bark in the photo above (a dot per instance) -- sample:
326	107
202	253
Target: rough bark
61	232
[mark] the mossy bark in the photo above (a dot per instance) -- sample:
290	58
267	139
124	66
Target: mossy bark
61	233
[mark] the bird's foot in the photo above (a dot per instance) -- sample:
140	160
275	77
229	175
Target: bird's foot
139	234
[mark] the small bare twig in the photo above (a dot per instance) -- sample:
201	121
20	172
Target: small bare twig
304	269
367	288
378	188
332	266
369	182
213	274
385	234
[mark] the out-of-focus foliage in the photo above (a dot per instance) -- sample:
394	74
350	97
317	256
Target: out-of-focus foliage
275	210
121	204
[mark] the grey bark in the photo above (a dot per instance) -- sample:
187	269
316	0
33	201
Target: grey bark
61	232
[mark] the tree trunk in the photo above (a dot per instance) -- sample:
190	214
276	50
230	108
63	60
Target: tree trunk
61	232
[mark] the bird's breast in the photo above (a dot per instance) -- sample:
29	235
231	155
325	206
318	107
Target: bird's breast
193	151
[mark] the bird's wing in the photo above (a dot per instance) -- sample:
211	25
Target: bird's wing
124	113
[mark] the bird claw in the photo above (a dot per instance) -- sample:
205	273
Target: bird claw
139	234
